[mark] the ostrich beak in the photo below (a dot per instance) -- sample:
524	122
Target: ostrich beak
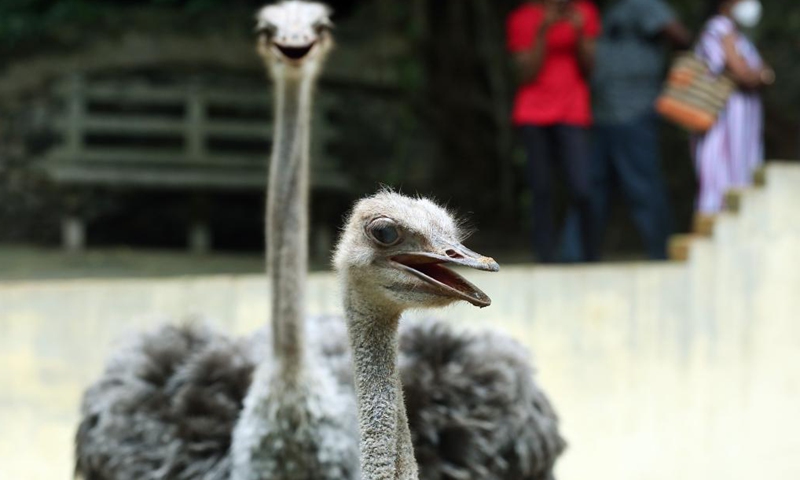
294	53
429	266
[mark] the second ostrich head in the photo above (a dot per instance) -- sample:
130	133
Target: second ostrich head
294	37
397	249
393	256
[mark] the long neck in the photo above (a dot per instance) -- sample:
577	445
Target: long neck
386	451
287	218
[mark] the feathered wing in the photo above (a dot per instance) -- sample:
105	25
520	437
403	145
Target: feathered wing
474	408
164	408
306	429
168	402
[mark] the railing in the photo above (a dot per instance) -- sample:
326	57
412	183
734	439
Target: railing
176	137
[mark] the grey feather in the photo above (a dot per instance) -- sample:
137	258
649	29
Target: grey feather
168	403
164	408
474	408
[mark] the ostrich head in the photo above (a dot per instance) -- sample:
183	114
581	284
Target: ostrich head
396	249
294	36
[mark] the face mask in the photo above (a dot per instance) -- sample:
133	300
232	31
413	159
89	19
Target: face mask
747	13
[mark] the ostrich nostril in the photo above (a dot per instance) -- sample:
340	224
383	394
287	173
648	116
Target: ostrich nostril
453	254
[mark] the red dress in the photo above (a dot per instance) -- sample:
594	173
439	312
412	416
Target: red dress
560	93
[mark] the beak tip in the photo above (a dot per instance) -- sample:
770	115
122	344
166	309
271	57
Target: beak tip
482	300
492	265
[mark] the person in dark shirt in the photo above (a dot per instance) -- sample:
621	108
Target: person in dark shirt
628	76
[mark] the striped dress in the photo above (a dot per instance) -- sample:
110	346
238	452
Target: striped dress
726	156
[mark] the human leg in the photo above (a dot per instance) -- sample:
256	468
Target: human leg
573	142
711	158
601	178
539	159
637	161
570	249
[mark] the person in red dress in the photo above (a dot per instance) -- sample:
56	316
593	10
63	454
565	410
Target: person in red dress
552	42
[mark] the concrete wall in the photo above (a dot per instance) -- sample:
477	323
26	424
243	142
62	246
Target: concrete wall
659	371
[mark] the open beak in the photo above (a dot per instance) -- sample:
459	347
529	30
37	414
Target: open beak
430	267
294	52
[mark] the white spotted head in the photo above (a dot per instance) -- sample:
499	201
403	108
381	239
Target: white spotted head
395	249
294	35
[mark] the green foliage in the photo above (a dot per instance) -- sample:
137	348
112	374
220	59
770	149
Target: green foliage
456	86
28	23
23	20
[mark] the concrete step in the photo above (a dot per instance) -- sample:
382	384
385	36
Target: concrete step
735	203
783	198
703	225
680	246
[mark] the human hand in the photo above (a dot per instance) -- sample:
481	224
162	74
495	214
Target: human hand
575	18
552	14
767	76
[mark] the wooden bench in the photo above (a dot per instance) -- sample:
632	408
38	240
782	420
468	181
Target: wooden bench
176	136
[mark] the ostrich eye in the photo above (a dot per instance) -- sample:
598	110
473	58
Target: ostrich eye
322	26
267	29
385	234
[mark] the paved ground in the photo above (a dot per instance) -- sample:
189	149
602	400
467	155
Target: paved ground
24	263
36	263
29	263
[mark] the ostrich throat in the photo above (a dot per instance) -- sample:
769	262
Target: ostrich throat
287	218
386	449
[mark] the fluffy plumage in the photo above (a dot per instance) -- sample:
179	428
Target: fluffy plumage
164	408
168	402
297	426
474	408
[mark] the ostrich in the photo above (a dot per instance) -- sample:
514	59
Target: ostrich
189	403
297	420
183	402
392	257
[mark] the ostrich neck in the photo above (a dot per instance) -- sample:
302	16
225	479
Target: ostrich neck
287	218
386	450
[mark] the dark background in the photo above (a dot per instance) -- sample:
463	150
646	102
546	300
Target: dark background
442	130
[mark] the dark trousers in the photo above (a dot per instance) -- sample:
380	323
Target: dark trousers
567	147
627	159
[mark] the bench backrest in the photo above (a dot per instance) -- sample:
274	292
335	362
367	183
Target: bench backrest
174	136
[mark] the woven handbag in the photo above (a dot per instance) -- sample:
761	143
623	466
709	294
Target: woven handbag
693	96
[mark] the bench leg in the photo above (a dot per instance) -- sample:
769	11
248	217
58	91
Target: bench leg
73	234
321	243
199	238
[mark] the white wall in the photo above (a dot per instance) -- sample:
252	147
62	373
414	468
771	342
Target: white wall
659	371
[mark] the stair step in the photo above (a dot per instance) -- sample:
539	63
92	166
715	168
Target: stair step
734	199
760	176
680	246
703	224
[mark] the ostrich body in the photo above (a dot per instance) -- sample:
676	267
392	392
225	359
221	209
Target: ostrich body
190	403
296	419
